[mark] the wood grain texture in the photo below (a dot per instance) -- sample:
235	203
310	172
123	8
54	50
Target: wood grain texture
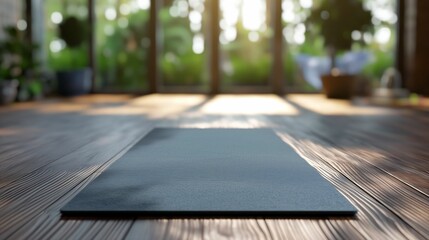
377	158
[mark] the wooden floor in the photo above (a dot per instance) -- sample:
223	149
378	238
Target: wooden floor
378	158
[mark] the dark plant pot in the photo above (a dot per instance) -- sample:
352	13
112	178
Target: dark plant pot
74	82
340	87
8	91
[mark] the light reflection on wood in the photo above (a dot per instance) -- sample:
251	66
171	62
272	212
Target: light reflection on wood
249	105
321	105
152	106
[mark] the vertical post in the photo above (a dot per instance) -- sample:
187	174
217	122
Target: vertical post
29	20
400	45
410	42
214	46
277	48
153	50
37	30
92	43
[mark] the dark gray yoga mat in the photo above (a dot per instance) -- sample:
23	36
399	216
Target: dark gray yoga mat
176	172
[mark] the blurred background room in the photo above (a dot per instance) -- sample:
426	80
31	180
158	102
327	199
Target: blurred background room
200	46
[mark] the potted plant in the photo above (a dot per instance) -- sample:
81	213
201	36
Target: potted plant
17	68
8	87
73	77
335	20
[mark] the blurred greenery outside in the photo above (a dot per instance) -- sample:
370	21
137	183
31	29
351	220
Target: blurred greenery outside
122	49
383	54
180	63
60	57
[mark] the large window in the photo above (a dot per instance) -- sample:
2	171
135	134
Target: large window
126	57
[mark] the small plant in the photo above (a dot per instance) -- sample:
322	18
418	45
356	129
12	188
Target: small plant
335	20
16	55
74	77
74	33
17	64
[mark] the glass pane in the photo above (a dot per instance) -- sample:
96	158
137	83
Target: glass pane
305	57
61	56
183	57
382	43
122	35
245	43
297	46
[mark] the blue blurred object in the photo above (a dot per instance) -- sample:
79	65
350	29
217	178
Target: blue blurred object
314	67
74	82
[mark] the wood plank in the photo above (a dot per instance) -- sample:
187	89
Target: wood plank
352	148
62	177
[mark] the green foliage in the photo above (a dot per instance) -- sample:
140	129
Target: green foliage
249	72
16	55
250	62
75	55
179	64
335	20
380	63
16	63
186	70
69	59
73	31
35	88
123	56
312	46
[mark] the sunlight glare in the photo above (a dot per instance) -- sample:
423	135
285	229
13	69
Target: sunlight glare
56	17
306	3
124	9
230	10
195	17
57	45
356	35
230	34
249	105
253	36
382	36
198	44
320	105
143	4
253	14
288	11
110	14
21	25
